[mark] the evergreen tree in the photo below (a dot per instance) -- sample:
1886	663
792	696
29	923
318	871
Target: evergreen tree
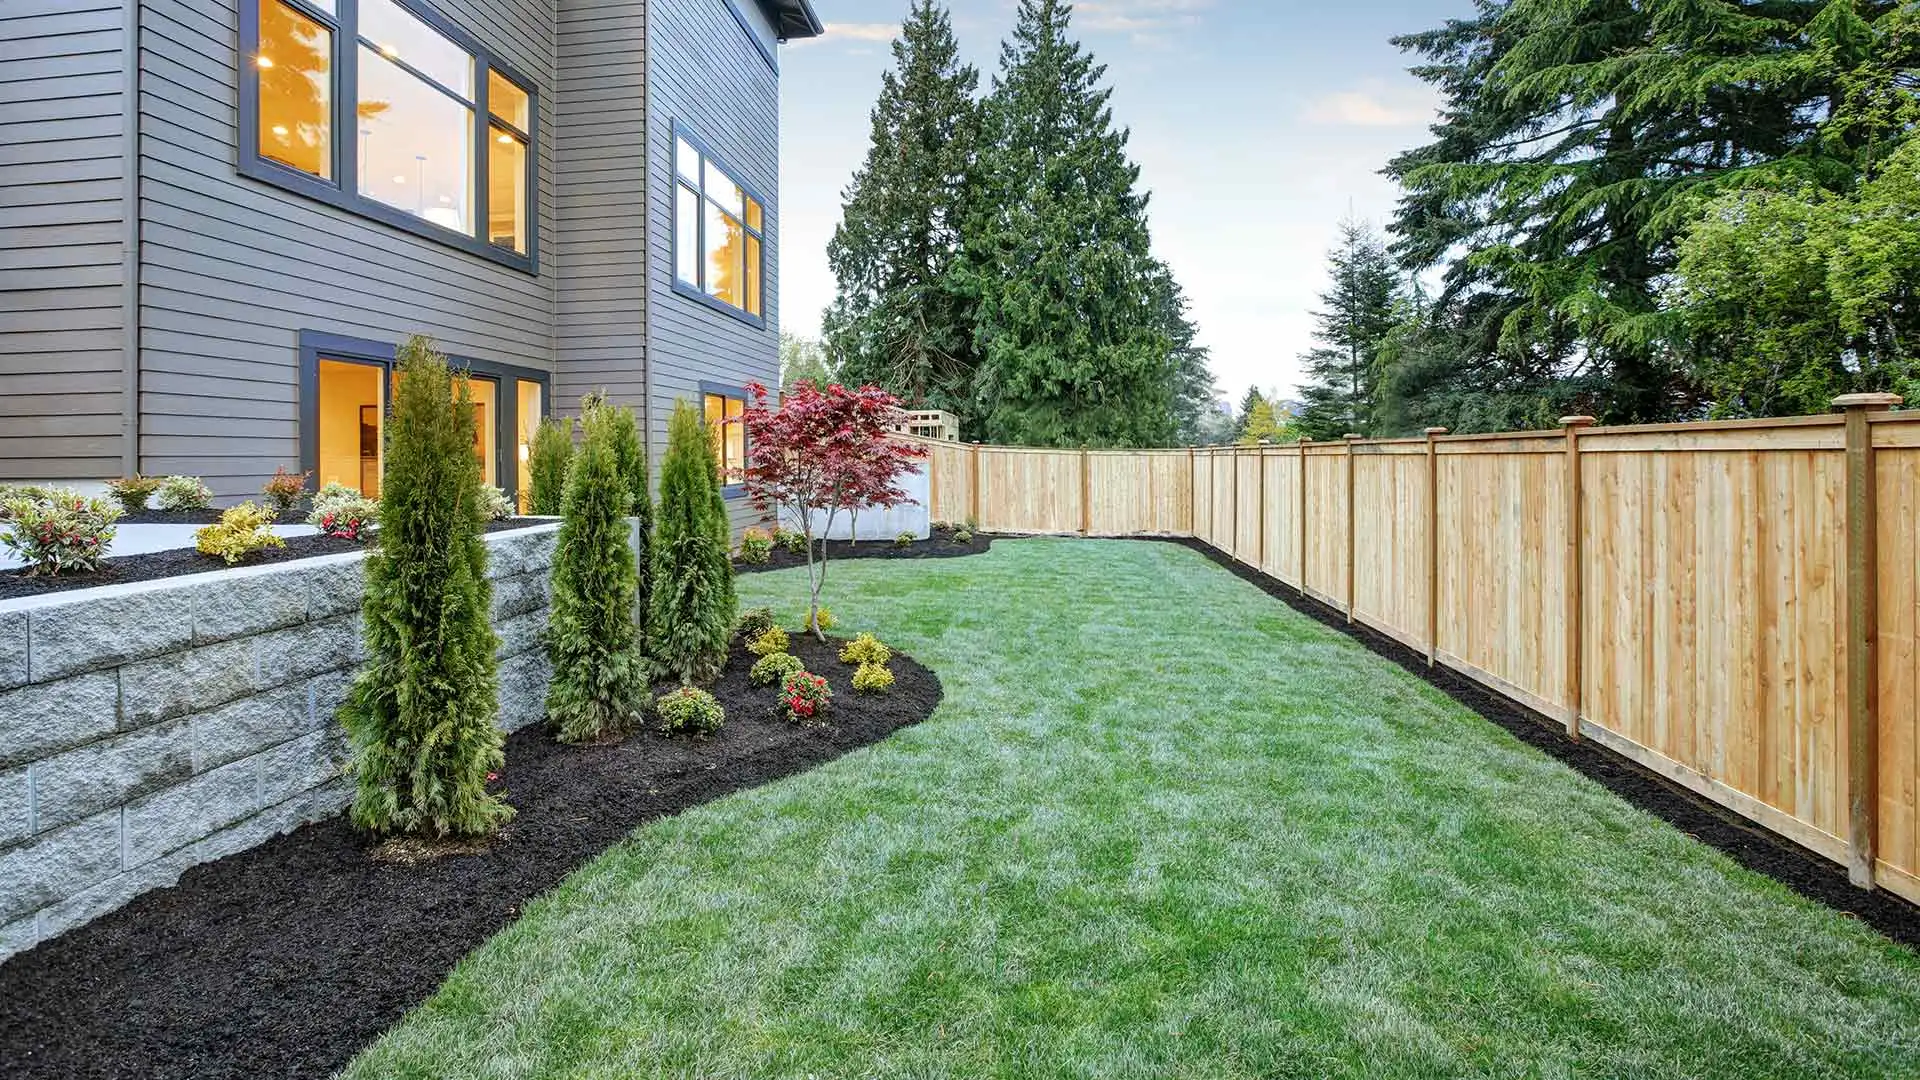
693	598
630	459
421	714
1257	421
547	459
599	674
901	320
1357	314
1075	347
802	360
1193	386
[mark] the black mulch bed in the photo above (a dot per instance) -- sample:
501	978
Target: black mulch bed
174	562
286	959
1747	843
939	546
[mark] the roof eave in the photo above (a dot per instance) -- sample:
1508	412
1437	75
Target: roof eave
793	19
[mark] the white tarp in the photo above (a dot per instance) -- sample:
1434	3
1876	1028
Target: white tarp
885	523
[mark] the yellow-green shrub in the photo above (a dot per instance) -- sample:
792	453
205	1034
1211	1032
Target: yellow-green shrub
241	531
773	668
875	677
774	640
690	709
865	649
756	545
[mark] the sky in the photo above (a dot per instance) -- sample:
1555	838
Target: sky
1258	125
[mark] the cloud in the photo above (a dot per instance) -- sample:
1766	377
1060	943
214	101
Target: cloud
848	32
1149	22
1374	104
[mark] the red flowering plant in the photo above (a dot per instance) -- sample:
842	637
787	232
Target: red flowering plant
59	532
806	696
820	453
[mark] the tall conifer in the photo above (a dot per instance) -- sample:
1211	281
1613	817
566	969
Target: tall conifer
693	598
1357	314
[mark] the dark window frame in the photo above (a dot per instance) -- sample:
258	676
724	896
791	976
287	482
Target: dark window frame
697	291
736	393
341	190
318	345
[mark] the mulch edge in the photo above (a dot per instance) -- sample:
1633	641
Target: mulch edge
880	549
1740	839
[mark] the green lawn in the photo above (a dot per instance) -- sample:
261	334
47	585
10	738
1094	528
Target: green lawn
1162	826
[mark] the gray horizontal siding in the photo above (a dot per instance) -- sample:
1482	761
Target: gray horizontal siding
62	239
233	269
706	73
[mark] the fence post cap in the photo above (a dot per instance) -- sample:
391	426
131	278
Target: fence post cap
1432	431
1576	421
1867	401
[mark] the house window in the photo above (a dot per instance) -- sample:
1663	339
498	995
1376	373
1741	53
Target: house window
386	92
729	434
719	232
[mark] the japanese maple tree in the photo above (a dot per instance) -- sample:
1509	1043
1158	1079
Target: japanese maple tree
824	452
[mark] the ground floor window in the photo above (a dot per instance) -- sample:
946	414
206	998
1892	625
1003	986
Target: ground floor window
723	408
347	387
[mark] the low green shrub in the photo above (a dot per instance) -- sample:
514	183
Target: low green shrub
865	649
690	710
792	540
806	696
826	621
943	526
904	540
753	623
58	532
962	536
183	493
343	512
285	488
495	504
756	545
773	668
241	531
873	678
772	640
132	492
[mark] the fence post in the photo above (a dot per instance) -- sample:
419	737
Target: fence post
1352	536
1260	515
1863	676
1433	545
973	485
1193	495
1086	495
1303	515
1574	585
1233	504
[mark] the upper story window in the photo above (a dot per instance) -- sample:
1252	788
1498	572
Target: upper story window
719	232
384	108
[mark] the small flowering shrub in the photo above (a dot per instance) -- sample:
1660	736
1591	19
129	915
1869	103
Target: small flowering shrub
774	668
132	492
690	710
753	623
773	640
349	517
806	696
334	492
792	540
285	488
60	532
904	540
241	531
873	678
756	545
865	649
183	493
825	621
495	504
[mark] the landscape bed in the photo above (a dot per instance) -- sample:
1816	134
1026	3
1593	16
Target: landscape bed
286	959
937	546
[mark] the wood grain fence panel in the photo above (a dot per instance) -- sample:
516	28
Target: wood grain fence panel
1327	522
1897	471
1390	539
1281	525
1135	493
1221	520
951	480
1030	490
1246	524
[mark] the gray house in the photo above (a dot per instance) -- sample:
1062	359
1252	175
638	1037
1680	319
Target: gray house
219	217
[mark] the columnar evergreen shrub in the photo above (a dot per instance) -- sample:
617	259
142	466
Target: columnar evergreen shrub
630	457
599	680
693	599
547	459
421	713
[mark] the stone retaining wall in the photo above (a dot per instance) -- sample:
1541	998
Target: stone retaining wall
149	727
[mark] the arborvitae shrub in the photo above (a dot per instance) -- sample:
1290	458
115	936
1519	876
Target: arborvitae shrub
630	457
691	710
547	460
599	680
693	599
773	668
421	713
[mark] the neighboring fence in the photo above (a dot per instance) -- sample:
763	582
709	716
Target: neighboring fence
1735	605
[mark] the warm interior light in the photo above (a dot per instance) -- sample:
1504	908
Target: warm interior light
506	138
279	129
390	50
263	61
398	179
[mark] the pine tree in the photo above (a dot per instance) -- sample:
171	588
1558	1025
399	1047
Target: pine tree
1357	314
421	714
902	321
1075	348
599	674
547	460
693	598
1193	386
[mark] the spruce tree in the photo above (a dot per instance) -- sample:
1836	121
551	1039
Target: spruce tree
902	320
599	674
1357	314
547	460
693	598
421	714
1193	387
1075	344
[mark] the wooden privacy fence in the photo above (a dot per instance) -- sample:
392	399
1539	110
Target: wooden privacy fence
1735	605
